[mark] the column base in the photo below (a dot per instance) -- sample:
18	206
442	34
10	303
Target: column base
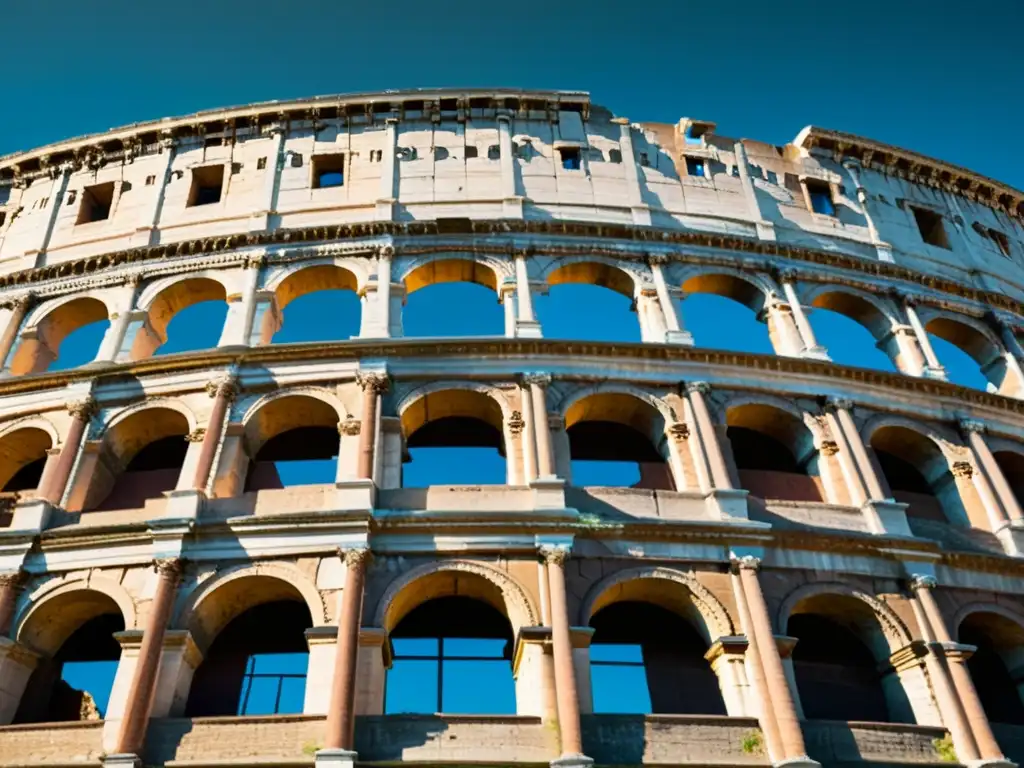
548	493
765	230
123	760
572	761
183	505
1011	536
884	251
887	518
528	329
355	495
797	762
939	374
727	504
682	338
31	515
336	758
641	218
512	207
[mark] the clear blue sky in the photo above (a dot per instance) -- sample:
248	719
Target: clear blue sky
935	76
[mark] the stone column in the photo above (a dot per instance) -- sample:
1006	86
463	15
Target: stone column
507	298
222	392
997	519
529	434
11	584
140	695
567	697
791	738
388	193
650	315
526	324
341	716
765	229
675	333
854	481
113	339
634	178
933	367
1013	352
373	385
384	257
512	204
841	408
782	330
964	705
696	393
81	413
883	249
58	186
538	382
19	308
766	712
803	325
975	431
243	324
146	233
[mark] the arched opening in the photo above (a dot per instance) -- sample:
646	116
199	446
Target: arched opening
969	357
839	662
437	287
75	674
997	664
918	475
617	440
726	312
454	437
316	304
646	659
854	331
451	655
256	665
589	301
1012	465
774	453
67	337
186	316
141	459
292	441
22	458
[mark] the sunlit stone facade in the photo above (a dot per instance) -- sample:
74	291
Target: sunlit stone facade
819	563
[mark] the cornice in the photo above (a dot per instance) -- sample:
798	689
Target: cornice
917	168
500	234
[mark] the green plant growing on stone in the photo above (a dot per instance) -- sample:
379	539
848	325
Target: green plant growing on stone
310	748
751	744
945	750
589	520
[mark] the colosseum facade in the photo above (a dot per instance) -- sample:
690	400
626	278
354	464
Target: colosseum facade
820	564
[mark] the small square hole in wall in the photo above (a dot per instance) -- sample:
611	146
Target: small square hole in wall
471	152
820	195
328	170
493	152
570	157
296	160
929	224
695	167
150	181
261	164
3	218
207	183
643	159
96	203
1002	241
614	155
376	155
441	153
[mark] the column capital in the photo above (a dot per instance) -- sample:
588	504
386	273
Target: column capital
349	427
539	379
922	581
197	435
784	274
373	381
170	568
20	303
701	387
972	425
521	253
746	563
384	251
554	555
355	556
909	299
255	260
83	410
656	258
226	388
839	404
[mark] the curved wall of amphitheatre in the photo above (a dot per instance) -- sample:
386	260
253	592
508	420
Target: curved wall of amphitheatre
823	562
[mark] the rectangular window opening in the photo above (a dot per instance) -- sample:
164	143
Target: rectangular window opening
3	217
328	171
570	157
1002	241
207	183
96	203
471	152
494	152
261	163
929	224
695	133
820	195
695	167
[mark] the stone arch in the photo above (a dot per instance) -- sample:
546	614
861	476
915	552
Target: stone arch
751	290
286	272
126	413
412	399
873	312
714	621
38	315
164	299
893	630
437	268
581	392
290	409
40	341
21	447
593	270
210	605
32	422
938	434
46	616
970	609
515	602
972	337
324	395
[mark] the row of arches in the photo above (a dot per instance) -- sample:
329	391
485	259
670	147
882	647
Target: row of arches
579	299
459	436
655	648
